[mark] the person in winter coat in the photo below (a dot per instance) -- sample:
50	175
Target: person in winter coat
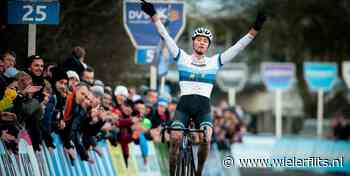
125	134
76	61
27	109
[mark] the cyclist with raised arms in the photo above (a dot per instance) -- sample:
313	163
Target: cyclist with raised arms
197	77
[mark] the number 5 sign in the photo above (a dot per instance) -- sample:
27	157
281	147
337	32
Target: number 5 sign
33	12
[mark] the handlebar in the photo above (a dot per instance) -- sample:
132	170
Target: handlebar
185	130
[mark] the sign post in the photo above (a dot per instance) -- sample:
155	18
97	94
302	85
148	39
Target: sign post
320	77
143	34
33	12
232	78
231	96
278	77
31	39
278	113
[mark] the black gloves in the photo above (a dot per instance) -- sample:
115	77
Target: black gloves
259	21
148	8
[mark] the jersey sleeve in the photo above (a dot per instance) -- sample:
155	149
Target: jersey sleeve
170	43
232	52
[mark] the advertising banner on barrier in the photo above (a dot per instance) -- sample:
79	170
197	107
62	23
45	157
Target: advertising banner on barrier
278	76
305	149
118	162
320	76
213	166
162	153
152	166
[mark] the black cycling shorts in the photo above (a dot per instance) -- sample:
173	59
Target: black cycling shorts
196	107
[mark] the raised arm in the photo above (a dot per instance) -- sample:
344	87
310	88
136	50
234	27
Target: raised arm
149	9
232	52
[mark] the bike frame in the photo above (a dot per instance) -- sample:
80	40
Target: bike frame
185	164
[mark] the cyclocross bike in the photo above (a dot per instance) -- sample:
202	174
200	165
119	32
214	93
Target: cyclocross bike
185	165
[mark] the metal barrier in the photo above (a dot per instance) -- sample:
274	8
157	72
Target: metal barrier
56	163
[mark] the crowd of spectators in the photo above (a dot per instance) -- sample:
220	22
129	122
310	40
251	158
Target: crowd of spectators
340	127
42	98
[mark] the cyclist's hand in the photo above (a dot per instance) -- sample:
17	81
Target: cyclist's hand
148	8
259	21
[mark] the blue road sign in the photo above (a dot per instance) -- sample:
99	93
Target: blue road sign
320	76
278	76
33	12
145	55
142	31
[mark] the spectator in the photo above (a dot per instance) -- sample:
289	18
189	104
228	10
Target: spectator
140	109
133	96
88	76
172	108
8	130
9	59
108	90
35	68
57	99
27	109
2	66
95	121
341	127
47	123
75	113
6	78
232	126
141	128
48	72
73	81
107	101
143	122
120	96
76	61
109	131
151	98
98	90
124	123
8	71
160	114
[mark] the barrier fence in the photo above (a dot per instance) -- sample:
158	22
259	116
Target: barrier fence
111	163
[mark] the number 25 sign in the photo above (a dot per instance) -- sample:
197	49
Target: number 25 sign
33	12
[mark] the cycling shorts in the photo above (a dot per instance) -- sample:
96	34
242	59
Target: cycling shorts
196	107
